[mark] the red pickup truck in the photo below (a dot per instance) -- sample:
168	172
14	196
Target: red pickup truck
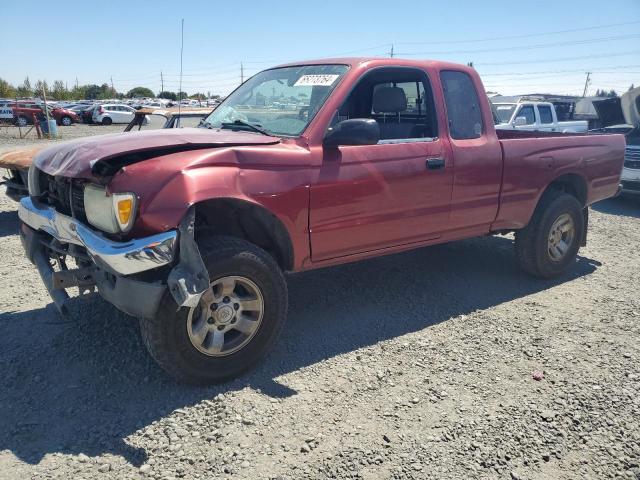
303	166
23	114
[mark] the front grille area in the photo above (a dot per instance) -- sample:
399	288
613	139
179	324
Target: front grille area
66	195
635	186
632	158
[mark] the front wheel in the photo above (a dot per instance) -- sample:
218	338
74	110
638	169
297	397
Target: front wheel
107	121
548	246
66	121
236	322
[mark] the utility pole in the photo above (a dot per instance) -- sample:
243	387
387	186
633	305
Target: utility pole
586	84
391	52
241	73
113	90
161	82
76	83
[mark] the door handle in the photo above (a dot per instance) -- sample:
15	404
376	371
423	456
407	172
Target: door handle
435	163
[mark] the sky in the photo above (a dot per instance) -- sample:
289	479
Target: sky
517	47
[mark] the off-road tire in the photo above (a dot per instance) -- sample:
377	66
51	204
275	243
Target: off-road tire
166	336
532	241
107	121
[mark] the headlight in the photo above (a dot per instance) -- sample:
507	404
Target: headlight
33	181
110	213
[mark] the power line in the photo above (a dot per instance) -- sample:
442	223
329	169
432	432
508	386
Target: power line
528	35
564	71
564	59
527	47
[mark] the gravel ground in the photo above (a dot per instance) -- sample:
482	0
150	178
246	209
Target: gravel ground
418	366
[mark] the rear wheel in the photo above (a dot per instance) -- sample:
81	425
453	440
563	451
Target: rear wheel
548	246
236	322
107	121
22	121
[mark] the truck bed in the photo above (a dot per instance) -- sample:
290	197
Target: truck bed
532	160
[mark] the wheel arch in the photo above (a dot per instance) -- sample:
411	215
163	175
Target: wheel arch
572	183
248	220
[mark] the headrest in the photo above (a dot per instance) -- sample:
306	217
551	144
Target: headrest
389	100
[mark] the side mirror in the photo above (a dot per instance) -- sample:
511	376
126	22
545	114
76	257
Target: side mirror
520	121
355	131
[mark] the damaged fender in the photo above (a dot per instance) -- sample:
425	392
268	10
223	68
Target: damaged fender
189	278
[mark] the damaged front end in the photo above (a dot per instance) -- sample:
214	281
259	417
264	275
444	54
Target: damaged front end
133	275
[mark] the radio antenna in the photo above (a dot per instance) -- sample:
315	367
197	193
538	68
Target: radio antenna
180	88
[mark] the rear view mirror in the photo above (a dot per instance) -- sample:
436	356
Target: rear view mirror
520	121
355	131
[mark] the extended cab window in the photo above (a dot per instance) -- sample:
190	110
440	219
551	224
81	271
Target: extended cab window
545	114
463	106
527	112
398	99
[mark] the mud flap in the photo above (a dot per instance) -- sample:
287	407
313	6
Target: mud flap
585	216
190	278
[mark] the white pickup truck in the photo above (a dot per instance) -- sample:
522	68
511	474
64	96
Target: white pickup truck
537	116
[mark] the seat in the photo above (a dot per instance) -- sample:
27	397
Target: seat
391	101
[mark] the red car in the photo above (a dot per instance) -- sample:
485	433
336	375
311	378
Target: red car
23	114
303	166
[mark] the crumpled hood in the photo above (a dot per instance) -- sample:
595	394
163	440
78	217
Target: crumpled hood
76	158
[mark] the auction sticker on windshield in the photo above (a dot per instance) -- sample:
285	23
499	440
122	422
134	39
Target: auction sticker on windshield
316	80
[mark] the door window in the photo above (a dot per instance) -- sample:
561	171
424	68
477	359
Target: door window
545	114
527	112
463	105
398	99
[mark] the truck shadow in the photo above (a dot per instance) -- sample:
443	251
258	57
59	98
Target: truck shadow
626	206
9	223
85	384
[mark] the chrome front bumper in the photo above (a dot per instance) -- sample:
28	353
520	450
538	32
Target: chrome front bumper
124	258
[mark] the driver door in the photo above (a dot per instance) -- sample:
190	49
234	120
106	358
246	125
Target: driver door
398	192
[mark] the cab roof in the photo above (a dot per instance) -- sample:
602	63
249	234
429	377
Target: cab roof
379	61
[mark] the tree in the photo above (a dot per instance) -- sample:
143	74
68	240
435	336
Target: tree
79	92
59	91
168	95
612	94
25	89
39	87
6	89
91	92
182	95
140	92
630	88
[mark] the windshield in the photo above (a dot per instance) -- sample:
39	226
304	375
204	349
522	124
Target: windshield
281	101
505	111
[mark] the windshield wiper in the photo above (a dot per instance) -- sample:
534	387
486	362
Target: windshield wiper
246	124
205	124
